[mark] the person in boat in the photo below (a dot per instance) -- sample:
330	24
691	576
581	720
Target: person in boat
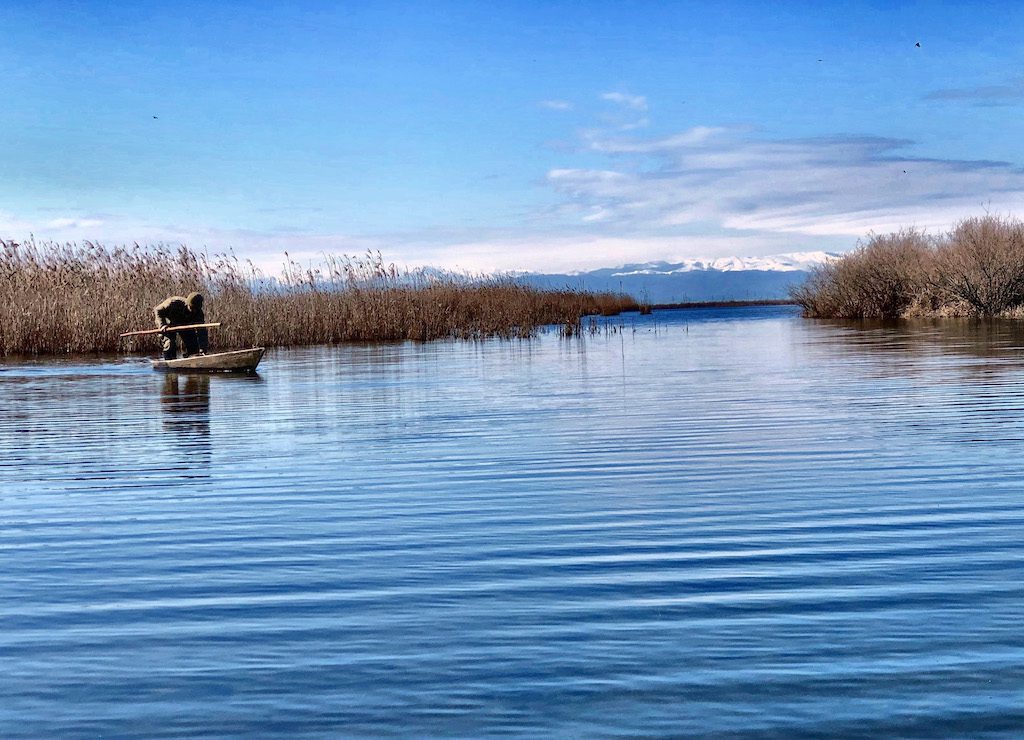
195	308
173	312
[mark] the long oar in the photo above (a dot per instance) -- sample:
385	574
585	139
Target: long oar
168	329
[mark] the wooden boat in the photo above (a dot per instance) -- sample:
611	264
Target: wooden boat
238	361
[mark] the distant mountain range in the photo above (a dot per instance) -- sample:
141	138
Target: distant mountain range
719	279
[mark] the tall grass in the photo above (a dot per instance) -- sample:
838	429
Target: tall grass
71	298
976	269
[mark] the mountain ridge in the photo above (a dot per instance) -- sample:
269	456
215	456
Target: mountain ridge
694	280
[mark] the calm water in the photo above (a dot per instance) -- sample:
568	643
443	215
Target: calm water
733	521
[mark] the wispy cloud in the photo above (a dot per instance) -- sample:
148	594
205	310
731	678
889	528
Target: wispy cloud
74	223
1010	92
629	115
539	247
606	145
559	105
60	227
266	247
839	185
708	191
634	102
586	251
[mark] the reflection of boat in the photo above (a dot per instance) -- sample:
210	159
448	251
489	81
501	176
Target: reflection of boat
185	403
238	361
187	407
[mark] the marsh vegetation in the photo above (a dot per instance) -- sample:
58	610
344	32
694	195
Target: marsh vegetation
976	269
73	298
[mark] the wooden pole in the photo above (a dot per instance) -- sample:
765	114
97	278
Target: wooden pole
168	329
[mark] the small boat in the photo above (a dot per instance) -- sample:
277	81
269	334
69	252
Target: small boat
238	361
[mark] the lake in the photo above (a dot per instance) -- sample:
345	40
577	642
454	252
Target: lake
725	521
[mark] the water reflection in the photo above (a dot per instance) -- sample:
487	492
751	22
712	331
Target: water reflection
901	348
186	403
185	413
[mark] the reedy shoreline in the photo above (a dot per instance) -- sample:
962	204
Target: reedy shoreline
60	299
974	270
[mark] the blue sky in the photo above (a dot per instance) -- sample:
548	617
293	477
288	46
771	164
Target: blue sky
519	135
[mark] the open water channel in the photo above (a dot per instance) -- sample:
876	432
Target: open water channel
731	521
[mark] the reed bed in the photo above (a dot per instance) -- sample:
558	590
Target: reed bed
77	298
974	270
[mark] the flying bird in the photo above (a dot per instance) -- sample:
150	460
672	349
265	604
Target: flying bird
918	44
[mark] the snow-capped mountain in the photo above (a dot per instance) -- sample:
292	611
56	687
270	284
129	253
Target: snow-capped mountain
714	279
793	261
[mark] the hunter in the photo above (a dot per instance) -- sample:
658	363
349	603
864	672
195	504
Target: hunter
172	312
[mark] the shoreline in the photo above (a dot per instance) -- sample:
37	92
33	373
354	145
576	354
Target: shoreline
725	304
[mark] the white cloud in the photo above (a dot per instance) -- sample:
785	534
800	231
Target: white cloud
634	102
630	113
637	124
696	135
479	252
266	248
1007	93
705	191
73	223
559	105
831	185
591	251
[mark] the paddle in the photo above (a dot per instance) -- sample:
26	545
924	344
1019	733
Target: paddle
168	329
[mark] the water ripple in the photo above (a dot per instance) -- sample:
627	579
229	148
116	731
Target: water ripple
728	522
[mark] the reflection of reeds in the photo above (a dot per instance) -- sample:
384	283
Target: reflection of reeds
61	298
977	269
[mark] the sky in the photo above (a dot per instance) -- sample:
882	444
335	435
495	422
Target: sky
482	136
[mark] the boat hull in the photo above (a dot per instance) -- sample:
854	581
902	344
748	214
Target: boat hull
238	361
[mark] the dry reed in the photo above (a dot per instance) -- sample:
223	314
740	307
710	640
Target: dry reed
977	269
76	298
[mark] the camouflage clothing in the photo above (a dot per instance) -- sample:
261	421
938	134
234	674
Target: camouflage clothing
195	307
173	312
